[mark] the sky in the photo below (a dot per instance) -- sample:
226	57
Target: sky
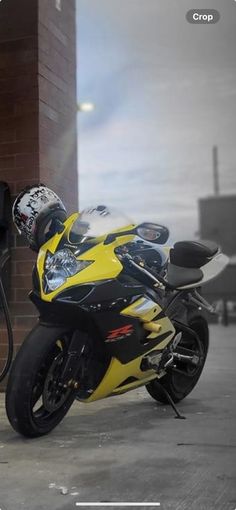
164	93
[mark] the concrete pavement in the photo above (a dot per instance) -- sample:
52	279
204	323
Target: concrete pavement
131	449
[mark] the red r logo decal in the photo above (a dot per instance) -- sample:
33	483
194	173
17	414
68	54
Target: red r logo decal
116	333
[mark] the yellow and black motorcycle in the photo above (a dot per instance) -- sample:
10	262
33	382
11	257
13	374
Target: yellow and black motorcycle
117	310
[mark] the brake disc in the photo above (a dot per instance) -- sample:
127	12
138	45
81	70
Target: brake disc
54	394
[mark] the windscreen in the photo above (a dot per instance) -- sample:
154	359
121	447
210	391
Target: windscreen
96	222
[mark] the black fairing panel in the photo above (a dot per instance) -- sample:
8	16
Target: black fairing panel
108	292
60	313
125	337
119	336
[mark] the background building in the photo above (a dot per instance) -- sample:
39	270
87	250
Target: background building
217	223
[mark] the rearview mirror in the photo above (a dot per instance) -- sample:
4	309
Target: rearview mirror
152	232
148	231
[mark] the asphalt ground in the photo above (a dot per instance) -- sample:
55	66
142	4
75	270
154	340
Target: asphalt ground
131	449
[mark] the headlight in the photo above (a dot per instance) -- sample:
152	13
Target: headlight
59	267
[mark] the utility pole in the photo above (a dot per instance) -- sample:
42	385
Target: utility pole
216	170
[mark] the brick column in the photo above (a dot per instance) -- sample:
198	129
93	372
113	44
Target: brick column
38	140
57	98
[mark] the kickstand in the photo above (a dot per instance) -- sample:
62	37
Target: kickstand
171	402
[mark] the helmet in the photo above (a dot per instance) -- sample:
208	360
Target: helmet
37	212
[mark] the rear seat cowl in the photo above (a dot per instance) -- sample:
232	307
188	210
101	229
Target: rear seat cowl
205	248
192	254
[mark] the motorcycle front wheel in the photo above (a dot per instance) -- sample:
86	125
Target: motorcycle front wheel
180	380
35	401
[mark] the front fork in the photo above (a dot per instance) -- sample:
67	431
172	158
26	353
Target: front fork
74	360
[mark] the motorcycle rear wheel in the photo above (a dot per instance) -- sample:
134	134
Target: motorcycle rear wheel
181	381
35	403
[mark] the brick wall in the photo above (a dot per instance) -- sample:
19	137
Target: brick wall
57	103
38	140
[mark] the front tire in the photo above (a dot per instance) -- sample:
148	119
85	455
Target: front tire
178	382
35	403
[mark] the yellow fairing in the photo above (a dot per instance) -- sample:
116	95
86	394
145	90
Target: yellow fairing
105	266
116	374
105	263
146	310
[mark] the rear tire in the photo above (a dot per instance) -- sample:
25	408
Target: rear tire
177	384
35	404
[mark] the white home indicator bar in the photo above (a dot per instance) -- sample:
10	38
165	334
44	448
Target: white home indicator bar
117	504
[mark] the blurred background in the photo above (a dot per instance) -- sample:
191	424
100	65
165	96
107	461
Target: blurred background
159	93
157	121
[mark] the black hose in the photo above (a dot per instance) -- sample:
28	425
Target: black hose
9	327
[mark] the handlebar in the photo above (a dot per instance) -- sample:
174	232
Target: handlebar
155	280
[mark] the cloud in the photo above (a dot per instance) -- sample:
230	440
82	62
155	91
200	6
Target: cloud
164	94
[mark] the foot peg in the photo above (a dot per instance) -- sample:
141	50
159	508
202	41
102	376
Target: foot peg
194	360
